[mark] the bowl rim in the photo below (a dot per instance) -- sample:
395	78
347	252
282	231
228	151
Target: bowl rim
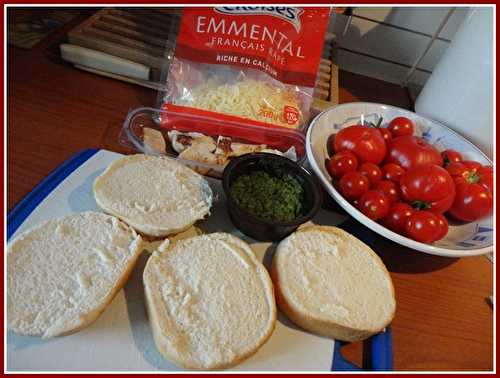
363	219
308	176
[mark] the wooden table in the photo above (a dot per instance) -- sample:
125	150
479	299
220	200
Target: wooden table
443	321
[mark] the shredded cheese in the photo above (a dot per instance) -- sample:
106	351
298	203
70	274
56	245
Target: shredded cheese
252	99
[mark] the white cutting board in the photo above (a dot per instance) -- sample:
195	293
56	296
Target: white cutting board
121	340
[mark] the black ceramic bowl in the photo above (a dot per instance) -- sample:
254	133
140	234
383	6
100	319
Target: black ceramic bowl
262	229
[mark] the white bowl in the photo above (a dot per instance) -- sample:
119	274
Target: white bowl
470	239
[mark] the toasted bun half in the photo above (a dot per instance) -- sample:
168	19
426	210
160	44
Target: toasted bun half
155	195
332	284
210	301
63	273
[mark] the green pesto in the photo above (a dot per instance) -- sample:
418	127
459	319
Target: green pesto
267	197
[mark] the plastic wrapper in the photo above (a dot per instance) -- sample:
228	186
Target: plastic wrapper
256	64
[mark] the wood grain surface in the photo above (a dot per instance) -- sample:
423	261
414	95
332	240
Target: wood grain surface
443	321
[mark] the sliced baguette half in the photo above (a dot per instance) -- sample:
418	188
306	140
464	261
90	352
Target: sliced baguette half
210	301
63	273
330	283
155	195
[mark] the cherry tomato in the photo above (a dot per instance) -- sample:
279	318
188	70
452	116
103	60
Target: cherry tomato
341	163
353	184
410	151
386	134
400	126
374	204
392	172
365	142
389	188
397	217
473	200
371	171
443	226
428	187
450	156
423	226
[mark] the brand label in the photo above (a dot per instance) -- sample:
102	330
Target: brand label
284	42
289	14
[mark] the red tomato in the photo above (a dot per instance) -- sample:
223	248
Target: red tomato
423	226
341	163
443	226
474	198
451	156
456	169
428	187
486	174
400	126
392	172
397	217
389	188
472	172
470	164
410	151
374	204
371	171
386	134
365	142
353	184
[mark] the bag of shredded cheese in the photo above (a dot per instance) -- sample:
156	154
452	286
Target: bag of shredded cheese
256	63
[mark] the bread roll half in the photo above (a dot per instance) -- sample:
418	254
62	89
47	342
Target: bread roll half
210	301
155	195
63	273
330	283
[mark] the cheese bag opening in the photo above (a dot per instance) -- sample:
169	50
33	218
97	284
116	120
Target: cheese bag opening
254	63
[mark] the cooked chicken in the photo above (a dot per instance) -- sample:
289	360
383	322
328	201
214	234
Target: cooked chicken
201	150
153	140
226	147
181	141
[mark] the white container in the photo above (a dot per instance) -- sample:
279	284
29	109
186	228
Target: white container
459	92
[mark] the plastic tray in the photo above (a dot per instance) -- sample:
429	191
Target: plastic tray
164	120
